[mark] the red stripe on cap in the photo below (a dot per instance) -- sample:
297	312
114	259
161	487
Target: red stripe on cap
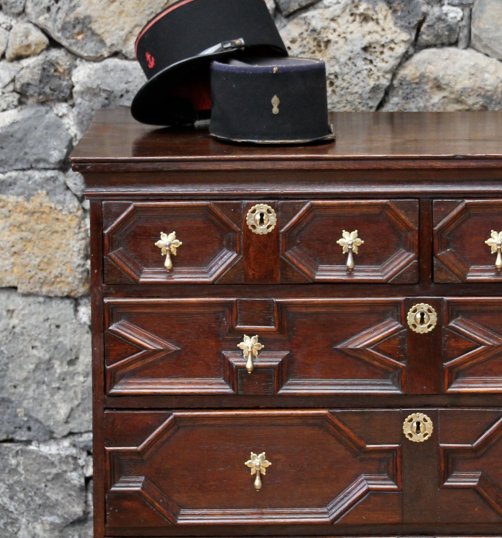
157	18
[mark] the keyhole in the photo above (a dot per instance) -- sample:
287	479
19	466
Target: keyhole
261	219
418	427
422	318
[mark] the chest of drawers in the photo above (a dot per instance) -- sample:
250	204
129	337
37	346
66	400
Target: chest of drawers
313	346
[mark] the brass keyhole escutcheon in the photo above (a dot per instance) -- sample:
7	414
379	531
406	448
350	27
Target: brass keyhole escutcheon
422	318
418	427
261	219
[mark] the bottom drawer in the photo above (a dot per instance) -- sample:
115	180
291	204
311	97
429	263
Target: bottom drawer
174	470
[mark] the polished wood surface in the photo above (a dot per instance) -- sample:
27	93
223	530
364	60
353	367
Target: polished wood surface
116	138
176	414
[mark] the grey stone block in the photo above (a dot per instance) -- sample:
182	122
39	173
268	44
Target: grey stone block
362	44
13	7
42	490
45	362
447	79
25	40
94	30
441	27
32	138
17	425
47	77
112	83
487	27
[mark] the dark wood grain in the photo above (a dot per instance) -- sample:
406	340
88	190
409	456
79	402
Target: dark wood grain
175	412
116	138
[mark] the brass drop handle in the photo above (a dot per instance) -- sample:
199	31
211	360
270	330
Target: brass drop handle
495	242
169	245
258	465
250	350
418	427
350	243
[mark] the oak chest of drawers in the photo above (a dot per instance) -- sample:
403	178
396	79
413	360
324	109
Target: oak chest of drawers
297	341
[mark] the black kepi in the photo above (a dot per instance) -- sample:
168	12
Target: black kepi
175	50
270	101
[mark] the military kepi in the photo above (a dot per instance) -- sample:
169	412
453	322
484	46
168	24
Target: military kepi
176	48
270	101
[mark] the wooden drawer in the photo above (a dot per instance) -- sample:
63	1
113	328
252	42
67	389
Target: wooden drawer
353	469
168	470
461	229
218	246
211	242
169	346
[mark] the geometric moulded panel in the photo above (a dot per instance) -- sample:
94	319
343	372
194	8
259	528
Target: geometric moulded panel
211	243
189	470
388	229
461	230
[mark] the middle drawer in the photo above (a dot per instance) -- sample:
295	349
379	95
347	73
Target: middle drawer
266	347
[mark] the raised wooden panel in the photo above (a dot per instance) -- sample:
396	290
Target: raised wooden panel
166	346
344	346
190	469
472	345
461	229
389	230
211	243
338	346
471	473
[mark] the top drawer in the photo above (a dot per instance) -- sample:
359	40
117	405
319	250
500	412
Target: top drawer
311	242
467	241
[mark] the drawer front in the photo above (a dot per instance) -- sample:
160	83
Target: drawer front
327	241
210	242
318	468
461	231
315	246
472	345
197	346
194	468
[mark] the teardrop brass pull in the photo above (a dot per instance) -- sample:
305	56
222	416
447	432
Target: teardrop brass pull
422	318
250	349
418	427
495	242
169	245
258	465
350	243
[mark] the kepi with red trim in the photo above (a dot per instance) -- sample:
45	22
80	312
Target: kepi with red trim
176	48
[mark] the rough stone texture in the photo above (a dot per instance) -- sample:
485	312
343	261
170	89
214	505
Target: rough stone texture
464	30
45	363
42	490
94	29
47	77
362	43
487	27
4	40
18	425
109	84
43	236
441	27
25	40
32	138
446	80
13	7
288	7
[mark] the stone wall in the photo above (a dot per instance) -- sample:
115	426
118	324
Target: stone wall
60	61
